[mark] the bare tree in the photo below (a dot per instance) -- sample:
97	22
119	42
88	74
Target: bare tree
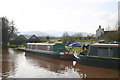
67	38
78	36
108	28
113	35
48	38
8	29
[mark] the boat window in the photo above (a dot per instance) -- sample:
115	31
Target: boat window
116	52
36	46
92	51
107	52
28	46
48	47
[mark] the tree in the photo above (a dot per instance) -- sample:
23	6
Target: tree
113	35
48	38
67	38
108	28
8	29
78	36
20	40
0	37
90	36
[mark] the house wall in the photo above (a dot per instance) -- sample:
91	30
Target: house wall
99	32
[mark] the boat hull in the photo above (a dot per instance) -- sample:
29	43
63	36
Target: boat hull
99	61
50	54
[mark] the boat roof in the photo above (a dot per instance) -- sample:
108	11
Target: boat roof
40	43
101	44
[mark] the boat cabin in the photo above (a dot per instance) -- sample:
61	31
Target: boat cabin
104	50
47	46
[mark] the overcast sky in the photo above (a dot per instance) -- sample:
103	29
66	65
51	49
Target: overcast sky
60	15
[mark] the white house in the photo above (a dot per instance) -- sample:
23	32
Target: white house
99	32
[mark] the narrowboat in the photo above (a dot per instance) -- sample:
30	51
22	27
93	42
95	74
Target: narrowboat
101	55
54	50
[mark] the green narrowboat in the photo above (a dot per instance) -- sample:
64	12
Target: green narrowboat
54	50
102	55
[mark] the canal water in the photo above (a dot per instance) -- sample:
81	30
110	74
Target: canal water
16	64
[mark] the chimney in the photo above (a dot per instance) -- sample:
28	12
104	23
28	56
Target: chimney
99	26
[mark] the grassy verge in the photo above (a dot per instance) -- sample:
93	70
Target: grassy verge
73	48
16	46
53	40
11	46
91	40
21	46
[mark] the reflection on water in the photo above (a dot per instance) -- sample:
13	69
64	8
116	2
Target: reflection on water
17	64
53	67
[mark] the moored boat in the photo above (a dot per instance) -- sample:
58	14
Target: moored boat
54	50
102	55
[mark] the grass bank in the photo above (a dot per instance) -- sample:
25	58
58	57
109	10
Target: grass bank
90	40
16	46
73	48
54	40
